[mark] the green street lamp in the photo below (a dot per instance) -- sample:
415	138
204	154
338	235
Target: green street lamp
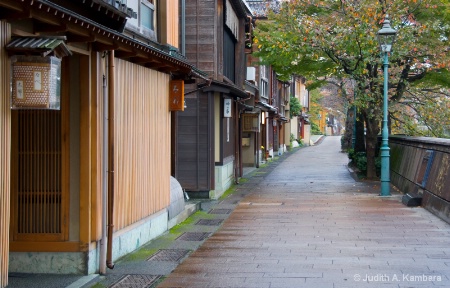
386	37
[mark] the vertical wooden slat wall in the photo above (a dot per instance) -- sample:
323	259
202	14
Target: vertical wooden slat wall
172	23
142	142
168	24
5	148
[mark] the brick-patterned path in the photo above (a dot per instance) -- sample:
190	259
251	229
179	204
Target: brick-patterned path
307	223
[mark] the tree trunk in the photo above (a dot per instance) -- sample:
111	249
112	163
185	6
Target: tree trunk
347	141
360	145
371	145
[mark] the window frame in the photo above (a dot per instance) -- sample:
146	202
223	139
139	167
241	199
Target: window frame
264	92
144	30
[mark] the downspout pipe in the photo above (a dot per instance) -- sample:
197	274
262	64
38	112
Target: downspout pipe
103	241
111	92
236	145
183	27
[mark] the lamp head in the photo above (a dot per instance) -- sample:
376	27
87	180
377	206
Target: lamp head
386	35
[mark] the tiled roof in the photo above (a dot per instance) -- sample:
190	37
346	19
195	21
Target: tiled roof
40	45
260	7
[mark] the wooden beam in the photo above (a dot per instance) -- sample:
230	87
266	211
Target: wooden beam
97	46
76	38
45	246
40	27
12	4
6	14
85	151
125	54
160	66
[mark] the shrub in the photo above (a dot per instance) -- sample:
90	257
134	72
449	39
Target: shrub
315	130
359	159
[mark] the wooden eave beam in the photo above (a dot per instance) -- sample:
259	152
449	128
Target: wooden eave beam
125	54
97	46
40	27
76	38
160	66
169	69
7	15
146	59
12	4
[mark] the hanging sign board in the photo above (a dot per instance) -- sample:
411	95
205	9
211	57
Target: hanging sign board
36	82
227	108
176	95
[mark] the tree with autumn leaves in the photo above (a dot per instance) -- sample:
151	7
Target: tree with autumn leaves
338	39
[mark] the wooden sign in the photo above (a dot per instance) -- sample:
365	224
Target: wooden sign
35	82
227	108
176	95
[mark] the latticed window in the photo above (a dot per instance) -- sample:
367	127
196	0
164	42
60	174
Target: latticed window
37	190
250	122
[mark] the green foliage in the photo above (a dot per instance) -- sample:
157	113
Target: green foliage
319	39
294	106
315	130
292	138
351	153
440	77
327	38
359	160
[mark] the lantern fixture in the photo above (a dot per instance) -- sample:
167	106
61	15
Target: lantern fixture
386	35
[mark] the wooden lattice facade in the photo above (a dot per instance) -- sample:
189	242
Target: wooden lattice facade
52	173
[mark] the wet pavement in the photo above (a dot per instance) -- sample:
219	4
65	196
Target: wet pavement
307	223
299	221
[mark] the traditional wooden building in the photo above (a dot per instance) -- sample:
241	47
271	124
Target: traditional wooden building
207	145
93	169
273	97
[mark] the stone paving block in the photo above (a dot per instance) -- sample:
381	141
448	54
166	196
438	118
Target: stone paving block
183	282
300	274
286	282
235	282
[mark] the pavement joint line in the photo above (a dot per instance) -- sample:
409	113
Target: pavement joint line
82	281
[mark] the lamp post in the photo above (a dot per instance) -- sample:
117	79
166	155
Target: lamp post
386	37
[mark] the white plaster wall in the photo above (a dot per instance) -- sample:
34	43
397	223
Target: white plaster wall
307	134
47	262
131	238
224	179
294	126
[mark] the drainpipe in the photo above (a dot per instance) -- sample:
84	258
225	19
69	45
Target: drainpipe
236	144
103	241
183	27
109	262
257	148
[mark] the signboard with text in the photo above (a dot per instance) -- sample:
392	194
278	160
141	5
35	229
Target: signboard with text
176	95
227	108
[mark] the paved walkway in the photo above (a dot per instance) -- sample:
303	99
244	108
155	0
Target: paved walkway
307	223
299	221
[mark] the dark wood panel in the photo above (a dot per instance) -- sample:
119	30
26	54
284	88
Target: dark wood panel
194	156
